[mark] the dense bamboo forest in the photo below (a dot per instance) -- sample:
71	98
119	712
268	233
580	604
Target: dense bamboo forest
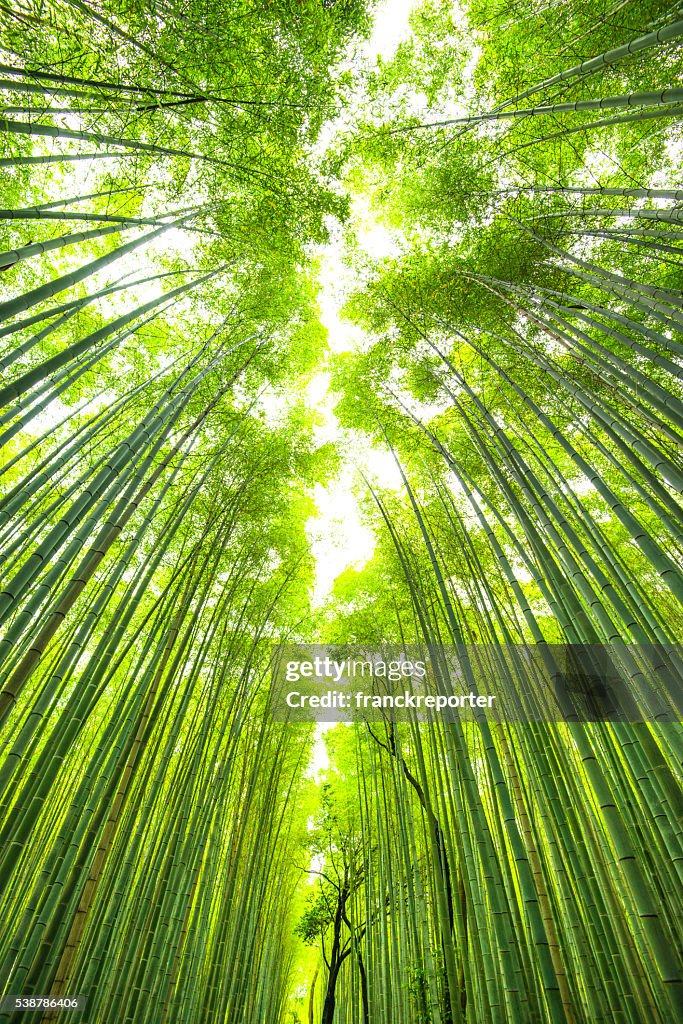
337	322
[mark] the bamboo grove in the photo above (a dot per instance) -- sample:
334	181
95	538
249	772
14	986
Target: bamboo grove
166	850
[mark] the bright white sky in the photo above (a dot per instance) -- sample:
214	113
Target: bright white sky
337	535
339	539
390	28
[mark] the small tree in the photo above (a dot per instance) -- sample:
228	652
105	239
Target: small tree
329	917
